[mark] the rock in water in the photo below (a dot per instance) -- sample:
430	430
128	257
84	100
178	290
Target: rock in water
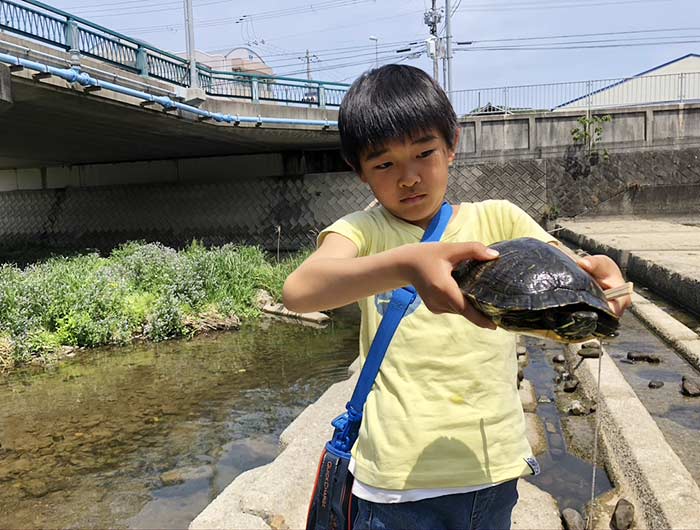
655	383
572	520
577	409
570	385
690	387
623	516
590	352
643	356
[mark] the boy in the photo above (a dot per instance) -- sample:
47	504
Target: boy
442	441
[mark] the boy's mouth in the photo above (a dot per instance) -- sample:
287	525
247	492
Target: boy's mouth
417	197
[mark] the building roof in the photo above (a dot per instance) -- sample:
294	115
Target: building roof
617	83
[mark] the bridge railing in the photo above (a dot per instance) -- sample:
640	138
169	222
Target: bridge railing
41	22
580	95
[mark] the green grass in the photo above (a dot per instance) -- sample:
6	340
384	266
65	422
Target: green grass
140	290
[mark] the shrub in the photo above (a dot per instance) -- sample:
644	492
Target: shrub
141	289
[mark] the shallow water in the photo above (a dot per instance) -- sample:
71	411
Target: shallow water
147	435
677	416
565	476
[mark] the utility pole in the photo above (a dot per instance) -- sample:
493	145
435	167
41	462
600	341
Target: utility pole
432	18
189	26
376	50
448	52
308	65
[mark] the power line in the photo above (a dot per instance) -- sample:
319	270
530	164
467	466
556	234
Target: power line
219	21
382	60
573	35
120	9
564	46
551	4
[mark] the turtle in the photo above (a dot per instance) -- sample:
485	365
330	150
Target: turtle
534	288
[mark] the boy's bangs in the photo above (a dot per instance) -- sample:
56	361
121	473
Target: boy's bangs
395	102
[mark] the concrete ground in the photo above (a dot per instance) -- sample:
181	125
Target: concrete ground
276	496
661	252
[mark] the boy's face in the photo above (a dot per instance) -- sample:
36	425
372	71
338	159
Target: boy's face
409	177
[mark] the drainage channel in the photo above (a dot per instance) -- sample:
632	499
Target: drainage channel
677	416
567	463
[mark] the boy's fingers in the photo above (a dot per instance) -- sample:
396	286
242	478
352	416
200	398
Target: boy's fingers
475	251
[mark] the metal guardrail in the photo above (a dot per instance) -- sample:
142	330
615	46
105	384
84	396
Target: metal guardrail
43	23
579	95
82	78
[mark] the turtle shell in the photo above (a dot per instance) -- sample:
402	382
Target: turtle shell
530	276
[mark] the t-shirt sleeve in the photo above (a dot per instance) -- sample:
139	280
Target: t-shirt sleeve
522	225
350	226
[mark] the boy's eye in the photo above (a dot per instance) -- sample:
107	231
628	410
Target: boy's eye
426	154
385	165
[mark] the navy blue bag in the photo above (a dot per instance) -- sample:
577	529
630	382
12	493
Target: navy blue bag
332	504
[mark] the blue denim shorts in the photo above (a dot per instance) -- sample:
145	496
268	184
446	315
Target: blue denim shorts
487	509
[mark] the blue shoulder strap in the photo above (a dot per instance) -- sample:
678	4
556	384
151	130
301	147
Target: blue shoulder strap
400	301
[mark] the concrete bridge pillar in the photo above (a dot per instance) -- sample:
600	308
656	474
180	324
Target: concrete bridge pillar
5	88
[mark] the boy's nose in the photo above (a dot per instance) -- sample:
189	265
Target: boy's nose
409	179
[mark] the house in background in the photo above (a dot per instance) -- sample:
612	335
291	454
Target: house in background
672	82
240	59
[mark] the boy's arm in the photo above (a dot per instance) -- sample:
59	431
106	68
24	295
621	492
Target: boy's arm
334	276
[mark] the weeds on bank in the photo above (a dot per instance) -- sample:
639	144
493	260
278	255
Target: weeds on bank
140	290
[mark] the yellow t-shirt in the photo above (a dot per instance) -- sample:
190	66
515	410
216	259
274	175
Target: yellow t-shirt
444	410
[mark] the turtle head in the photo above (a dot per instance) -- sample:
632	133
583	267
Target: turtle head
572	326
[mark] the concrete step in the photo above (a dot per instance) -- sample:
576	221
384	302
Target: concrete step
662	253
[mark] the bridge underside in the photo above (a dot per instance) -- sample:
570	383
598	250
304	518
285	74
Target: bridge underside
46	124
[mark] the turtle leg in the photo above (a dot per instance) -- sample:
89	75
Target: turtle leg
573	326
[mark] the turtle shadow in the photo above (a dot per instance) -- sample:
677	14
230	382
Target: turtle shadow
433	456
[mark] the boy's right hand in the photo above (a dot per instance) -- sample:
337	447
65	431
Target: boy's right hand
429	268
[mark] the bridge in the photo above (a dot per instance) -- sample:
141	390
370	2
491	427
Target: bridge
74	83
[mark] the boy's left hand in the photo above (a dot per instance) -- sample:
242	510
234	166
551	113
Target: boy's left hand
608	275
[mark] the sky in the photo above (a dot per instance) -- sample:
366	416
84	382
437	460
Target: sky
636	34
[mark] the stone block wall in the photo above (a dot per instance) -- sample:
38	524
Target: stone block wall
250	210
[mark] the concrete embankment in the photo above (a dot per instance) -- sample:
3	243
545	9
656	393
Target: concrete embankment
661	253
277	495
643	466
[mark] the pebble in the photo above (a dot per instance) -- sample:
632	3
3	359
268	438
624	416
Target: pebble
543	399
690	387
35	488
559	358
623	516
642	356
655	383
570	385
572	519
558	368
520	350
590	352
577	409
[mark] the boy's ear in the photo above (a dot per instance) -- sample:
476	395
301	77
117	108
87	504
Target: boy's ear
357	171
455	143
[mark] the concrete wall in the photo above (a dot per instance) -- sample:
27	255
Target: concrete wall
546	134
526	160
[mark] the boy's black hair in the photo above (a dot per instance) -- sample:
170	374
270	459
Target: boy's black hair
391	103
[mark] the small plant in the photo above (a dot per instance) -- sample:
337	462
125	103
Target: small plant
589	134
